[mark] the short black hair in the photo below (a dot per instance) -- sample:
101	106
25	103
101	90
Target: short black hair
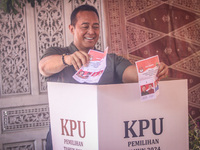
85	7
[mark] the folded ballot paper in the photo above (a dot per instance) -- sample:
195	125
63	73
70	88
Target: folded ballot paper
95	68
147	70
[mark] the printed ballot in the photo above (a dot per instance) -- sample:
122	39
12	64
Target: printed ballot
147	70
95	68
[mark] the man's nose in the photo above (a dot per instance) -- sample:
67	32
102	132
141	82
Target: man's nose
91	30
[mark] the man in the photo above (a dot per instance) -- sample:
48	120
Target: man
150	89
60	64
144	92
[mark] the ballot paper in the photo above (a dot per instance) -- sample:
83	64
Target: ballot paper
147	70
95	68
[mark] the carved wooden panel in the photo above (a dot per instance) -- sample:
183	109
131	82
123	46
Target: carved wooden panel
19	146
49	29
14	61
21	118
44	144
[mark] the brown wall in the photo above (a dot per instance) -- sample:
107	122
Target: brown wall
168	28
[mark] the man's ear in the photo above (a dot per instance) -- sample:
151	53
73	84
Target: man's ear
71	29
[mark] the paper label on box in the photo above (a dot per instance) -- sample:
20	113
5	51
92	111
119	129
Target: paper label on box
147	70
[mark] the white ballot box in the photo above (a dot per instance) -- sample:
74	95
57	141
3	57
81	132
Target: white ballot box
112	117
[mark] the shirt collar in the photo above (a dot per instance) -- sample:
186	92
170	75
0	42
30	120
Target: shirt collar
73	48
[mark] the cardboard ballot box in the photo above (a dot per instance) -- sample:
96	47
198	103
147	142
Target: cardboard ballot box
112	117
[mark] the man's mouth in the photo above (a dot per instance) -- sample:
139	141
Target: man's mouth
89	38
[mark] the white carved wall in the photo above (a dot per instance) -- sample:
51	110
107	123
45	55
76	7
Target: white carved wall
24	37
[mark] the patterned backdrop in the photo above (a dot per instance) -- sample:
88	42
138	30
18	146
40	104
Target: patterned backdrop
13	54
169	28
136	29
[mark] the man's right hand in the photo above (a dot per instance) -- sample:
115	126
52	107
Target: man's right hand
53	64
77	59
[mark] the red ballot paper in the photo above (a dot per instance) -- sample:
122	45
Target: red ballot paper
147	70
94	70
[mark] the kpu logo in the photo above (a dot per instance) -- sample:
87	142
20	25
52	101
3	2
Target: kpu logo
70	126
141	125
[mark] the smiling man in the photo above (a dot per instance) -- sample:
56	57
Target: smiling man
60	64
85	30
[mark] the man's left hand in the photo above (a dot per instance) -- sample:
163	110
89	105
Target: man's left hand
162	71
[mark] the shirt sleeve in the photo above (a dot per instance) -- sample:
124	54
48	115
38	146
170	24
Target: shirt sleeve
121	64
53	51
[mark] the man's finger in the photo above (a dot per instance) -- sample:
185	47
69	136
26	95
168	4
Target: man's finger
78	60
162	71
73	62
84	57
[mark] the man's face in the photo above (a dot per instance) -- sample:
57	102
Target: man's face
86	30
143	88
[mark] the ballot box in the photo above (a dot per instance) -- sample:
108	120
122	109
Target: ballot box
112	117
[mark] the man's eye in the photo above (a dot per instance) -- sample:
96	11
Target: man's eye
85	27
96	27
